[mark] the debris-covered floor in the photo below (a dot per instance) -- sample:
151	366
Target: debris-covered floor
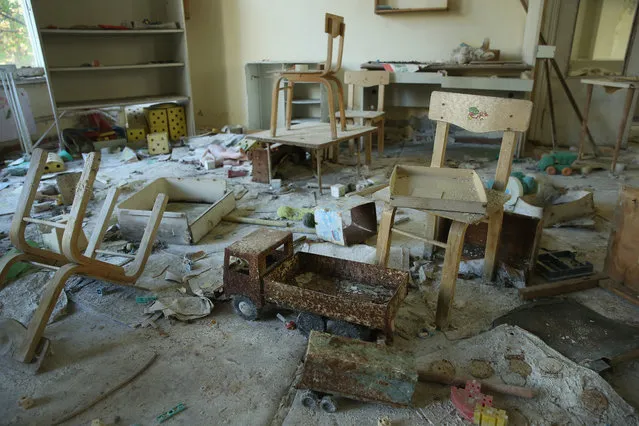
226	370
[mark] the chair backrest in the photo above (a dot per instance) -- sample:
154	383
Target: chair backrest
480	114
334	27
367	79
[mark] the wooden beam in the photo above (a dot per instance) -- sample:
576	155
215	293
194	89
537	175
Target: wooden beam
417	237
561	287
532	30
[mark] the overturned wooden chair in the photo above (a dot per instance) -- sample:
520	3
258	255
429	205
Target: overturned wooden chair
22	218
478	114
363	117
72	261
334	28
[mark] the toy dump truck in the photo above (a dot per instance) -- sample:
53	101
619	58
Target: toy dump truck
341	296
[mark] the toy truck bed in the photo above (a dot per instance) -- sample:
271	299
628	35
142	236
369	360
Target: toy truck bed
359	293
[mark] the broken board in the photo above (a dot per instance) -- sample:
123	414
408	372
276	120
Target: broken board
195	207
433	188
622	260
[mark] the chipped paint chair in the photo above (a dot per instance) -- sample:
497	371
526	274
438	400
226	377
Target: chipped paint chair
334	28
376	117
72	260
478	114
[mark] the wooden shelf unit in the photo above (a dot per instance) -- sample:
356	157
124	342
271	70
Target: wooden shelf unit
138	66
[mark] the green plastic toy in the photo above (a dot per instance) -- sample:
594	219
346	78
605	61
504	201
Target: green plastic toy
557	162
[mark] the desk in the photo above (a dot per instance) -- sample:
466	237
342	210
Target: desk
315	137
610	84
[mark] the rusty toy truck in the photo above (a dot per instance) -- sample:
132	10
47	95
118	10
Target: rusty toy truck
335	295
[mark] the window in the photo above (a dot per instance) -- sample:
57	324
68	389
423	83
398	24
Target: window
16	43
602	34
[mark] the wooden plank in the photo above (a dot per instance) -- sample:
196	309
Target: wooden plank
622	127
622	259
118	67
584	122
480	114
450	269
622	83
488	83
109	32
417	237
204	223
570	206
532	28
105	103
102	223
384	235
560	287
59	225
621	290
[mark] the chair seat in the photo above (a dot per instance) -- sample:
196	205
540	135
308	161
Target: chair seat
496	200
351	113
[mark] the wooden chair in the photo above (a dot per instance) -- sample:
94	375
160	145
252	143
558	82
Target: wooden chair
22	218
71	261
362	117
334	28
478	114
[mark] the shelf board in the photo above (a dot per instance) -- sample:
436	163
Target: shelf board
306	120
109	32
411	10
106	103
118	67
306	101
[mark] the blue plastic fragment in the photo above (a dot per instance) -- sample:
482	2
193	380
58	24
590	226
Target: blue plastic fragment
172	412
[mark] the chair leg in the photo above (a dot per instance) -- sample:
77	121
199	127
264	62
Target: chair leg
289	104
274	103
41	316
384	235
331	107
368	146
449	273
492	244
340	100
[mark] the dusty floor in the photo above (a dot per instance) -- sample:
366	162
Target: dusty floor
230	371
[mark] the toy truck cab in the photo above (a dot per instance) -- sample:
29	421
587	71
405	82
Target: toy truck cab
247	261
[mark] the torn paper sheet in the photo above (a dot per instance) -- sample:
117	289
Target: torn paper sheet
182	308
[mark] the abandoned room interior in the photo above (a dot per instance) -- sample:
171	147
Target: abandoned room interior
460	178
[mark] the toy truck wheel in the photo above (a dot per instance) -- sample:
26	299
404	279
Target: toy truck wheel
551	170
328	404
307	322
244	307
347	329
567	171
310	399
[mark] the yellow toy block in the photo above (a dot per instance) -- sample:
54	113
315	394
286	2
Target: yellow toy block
158	143
177	122
489	416
136	134
157	120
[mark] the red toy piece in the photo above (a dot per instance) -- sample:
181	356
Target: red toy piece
465	400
